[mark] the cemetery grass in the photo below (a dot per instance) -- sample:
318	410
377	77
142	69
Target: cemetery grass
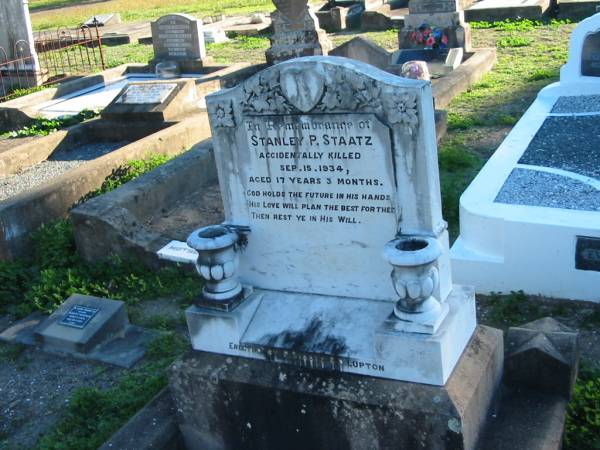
46	14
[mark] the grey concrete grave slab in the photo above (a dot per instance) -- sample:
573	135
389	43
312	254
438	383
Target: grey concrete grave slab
498	10
577	9
93	328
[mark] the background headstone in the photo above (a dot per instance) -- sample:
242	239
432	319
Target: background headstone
16	36
178	37
445	16
296	32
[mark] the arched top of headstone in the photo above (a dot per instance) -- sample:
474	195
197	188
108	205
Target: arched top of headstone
584	53
324	85
177	16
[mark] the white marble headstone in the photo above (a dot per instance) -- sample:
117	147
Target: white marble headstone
326	160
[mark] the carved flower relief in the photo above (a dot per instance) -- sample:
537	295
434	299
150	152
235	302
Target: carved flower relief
351	92
402	109
222	115
263	94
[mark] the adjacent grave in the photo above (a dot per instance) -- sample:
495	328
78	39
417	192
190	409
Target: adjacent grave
296	32
16	39
497	10
44	178
329	179
179	37
85	327
530	220
435	25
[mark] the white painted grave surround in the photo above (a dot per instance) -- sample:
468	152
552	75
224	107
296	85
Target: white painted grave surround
326	160
549	245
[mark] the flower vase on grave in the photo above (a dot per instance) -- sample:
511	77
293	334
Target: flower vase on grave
415	278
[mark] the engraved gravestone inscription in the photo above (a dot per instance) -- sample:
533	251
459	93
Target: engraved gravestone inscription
178	37
79	316
146	93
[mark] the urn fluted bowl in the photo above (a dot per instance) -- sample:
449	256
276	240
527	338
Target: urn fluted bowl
414	275
217	261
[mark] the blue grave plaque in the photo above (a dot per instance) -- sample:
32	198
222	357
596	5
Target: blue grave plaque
79	316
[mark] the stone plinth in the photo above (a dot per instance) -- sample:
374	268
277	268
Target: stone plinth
233	403
296	32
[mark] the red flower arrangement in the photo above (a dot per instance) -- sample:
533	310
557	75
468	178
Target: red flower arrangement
430	37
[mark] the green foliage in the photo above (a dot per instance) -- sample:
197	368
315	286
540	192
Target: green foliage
93	415
44	127
459	121
517	25
121	175
514	309
513	41
453	158
56	273
583	419
23	92
457	166
10	352
543	74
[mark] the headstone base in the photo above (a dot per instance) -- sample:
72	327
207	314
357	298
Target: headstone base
336	334
229	402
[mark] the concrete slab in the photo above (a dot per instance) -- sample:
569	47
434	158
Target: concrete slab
577	9
497	10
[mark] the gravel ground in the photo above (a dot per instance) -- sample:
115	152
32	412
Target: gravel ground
533	188
59	163
35	389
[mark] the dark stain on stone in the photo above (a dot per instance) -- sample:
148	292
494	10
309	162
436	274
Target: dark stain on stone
313	339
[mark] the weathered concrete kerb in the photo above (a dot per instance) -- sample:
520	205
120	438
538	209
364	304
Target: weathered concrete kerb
24	213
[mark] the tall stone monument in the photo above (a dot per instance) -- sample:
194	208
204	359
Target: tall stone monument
179	38
296	32
329	317
16	36
435	22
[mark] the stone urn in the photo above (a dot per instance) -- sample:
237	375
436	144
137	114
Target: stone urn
415	280
217	263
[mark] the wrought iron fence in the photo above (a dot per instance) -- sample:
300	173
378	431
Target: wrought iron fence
58	55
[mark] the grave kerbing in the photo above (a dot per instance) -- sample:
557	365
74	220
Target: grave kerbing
541	186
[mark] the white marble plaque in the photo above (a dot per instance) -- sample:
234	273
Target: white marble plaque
146	93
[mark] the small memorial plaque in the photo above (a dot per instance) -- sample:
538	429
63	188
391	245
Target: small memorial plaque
587	253
590	57
148	93
79	316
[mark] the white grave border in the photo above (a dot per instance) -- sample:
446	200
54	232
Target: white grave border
347	87
570	73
